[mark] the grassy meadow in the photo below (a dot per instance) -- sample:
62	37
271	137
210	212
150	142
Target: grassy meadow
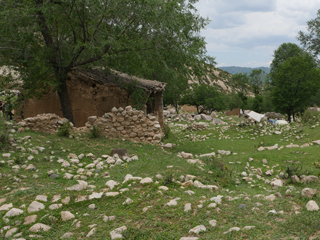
243	202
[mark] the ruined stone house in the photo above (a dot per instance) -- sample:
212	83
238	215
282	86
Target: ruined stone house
95	92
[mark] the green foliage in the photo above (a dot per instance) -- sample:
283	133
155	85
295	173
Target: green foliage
294	79
204	97
310	40
151	39
166	131
310	117
94	132
316	164
240	82
138	95
295	169
220	172
4	134
64	130
168	180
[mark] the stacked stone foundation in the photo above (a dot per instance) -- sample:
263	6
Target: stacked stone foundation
47	123
127	123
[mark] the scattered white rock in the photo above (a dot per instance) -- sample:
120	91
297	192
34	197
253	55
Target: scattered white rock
13	212
91	232
217	199
39	227
111	184
6	207
198	229
187	207
146	180
270	197
55	206
127	202
237	229
276	183
35	206
67	235
117	233
308	192
312	206
213	223
66	215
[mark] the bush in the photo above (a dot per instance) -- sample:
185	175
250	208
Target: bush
64	130
166	131
220	172
4	134
167	180
295	169
310	117
94	132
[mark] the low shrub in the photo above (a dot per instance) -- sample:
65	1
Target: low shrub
4	134
64	130
94	132
310	117
166	131
295	169
220	172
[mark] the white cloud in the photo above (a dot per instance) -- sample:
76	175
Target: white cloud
253	29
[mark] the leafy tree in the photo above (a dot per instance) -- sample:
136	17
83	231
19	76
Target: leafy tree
257	79
232	100
240	82
204	97
45	39
294	79
311	39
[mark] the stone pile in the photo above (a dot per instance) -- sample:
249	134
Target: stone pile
127	123
197	126
47	123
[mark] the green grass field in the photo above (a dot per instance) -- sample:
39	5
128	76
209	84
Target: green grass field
243	203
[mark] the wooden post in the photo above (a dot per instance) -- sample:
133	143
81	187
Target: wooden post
159	107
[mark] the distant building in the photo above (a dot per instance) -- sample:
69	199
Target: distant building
94	92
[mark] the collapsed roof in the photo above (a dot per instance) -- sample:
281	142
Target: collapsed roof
117	78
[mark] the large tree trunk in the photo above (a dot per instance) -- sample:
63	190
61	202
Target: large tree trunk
64	99
289	116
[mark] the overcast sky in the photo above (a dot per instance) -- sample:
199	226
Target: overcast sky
245	33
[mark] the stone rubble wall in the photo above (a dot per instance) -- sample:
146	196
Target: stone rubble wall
127	123
47	123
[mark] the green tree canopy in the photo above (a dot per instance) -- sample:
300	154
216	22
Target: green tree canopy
204	97
45	39
311	39
294	79
240	82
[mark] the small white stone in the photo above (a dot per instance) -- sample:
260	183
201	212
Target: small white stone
198	229
232	229
39	227
111	184
55	206
187	207
312	206
146	180
35	207
117	233
66	215
92	231
213	223
164	188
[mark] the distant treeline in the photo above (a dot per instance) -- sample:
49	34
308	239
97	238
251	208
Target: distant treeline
234	70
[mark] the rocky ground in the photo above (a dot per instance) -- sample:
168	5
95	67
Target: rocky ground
211	179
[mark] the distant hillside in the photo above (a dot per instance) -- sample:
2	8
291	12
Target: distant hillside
234	70
218	78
